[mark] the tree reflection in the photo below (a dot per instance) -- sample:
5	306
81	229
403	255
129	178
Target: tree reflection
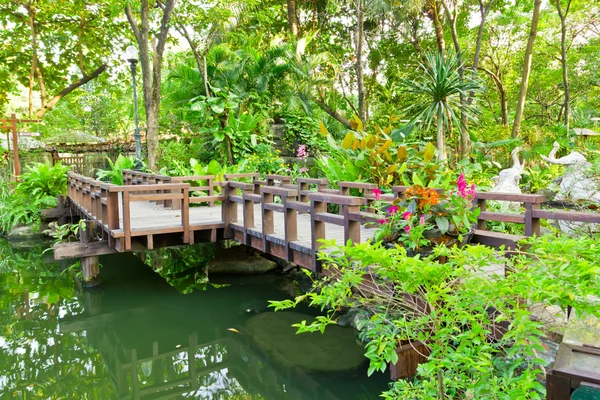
36	360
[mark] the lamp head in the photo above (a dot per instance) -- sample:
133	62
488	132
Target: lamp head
131	54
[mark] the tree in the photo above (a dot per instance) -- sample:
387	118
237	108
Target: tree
149	41
537	4
46	41
437	95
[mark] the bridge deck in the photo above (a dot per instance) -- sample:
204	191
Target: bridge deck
148	217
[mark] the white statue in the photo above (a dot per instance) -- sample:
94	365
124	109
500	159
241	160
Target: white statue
573	158
576	184
508	179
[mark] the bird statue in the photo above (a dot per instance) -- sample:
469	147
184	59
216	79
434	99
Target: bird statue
572	158
508	180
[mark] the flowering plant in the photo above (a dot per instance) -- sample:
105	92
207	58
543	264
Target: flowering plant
426	215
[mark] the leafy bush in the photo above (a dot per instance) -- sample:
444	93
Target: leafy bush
264	161
115	173
475	321
42	180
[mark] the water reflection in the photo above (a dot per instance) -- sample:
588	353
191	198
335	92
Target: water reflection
138	337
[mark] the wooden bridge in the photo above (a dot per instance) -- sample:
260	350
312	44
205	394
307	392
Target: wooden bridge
277	216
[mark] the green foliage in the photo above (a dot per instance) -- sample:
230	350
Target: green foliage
42	180
456	308
23	202
115	173
264	160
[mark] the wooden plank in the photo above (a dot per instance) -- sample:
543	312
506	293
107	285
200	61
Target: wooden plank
329	218
274	207
520	198
496	239
156	197
573	216
65	251
502	217
336	199
205	199
279	191
148	188
317	231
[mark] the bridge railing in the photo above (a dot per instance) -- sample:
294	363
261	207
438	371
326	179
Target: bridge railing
110	205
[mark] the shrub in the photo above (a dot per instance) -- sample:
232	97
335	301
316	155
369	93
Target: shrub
115	173
476	322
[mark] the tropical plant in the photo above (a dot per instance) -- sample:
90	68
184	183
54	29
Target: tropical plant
437	95
44	180
115	173
478	328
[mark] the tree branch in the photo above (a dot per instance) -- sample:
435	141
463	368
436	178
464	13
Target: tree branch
333	113
48	106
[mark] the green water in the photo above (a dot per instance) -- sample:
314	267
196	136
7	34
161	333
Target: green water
156	329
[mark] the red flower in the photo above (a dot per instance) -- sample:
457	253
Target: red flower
383	221
406	216
376	193
393	210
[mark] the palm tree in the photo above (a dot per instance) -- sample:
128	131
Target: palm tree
437	95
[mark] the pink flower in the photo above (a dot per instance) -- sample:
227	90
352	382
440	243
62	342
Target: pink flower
393	210
303	170
302	153
422	220
462	186
407	229
376	193
406	216
383	221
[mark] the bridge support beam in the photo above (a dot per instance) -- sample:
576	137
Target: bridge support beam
90	267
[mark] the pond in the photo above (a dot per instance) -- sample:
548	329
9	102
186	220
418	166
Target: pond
158	328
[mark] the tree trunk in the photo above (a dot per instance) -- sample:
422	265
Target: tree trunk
434	14
563	59
151	70
526	69
465	141
441	142
360	79
483	12
293	17
31	15
503	106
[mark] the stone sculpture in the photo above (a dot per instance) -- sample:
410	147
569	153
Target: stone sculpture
508	180
576	184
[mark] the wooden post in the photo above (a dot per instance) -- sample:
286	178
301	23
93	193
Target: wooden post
317	231
248	219
351	228
532	225
15	140
226	214
90	269
290	224
126	220
185	215
268	224
481	224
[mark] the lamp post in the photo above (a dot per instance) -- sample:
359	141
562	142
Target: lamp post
131	55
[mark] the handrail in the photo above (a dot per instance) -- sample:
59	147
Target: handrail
107	202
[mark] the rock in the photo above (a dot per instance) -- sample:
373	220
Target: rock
334	350
305	284
236	261
23	232
347	319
